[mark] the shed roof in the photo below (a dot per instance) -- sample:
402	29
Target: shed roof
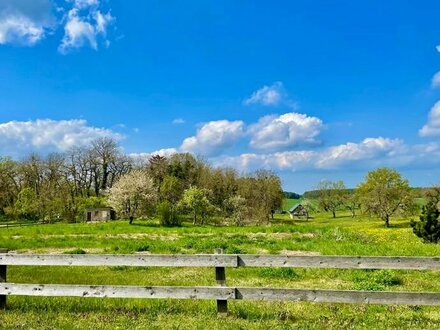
294	208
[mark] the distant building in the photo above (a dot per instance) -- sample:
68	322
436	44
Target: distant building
99	214
298	211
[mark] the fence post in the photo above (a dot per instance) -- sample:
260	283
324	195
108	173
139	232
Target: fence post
3	269
220	277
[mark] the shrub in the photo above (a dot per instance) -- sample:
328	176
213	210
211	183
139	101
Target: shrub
428	228
167	214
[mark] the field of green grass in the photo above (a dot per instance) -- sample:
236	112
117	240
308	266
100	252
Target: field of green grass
319	236
289	202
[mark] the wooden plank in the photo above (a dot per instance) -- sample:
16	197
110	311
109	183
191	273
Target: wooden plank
103	291
220	277
3	272
164	260
354	262
338	296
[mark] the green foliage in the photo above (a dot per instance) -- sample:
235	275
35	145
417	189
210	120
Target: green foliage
238	209
195	200
171	189
331	196
291	195
385	193
167	214
428	227
27	206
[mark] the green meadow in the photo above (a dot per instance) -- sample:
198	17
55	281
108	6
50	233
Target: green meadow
321	235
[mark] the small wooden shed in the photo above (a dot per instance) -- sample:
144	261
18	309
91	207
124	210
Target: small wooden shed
99	214
298	211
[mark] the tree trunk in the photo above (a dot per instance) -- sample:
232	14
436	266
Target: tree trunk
131	220
334	214
194	218
353	213
387	221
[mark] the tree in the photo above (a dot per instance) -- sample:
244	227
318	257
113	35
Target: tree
171	191
309	207
331	195
384	193
428	228
133	195
352	203
238	209
196	201
27	206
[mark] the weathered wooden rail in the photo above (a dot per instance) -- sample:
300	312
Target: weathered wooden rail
222	293
20	224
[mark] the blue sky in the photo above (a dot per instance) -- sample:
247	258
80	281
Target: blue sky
310	89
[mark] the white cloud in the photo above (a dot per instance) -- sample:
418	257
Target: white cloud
273	95
178	121
18	137
432	127
371	150
85	25
435	82
289	129
267	95
25	22
438	48
144	156
213	137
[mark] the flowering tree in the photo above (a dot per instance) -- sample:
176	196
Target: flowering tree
133	195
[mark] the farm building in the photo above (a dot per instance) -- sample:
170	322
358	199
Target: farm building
298	211
99	214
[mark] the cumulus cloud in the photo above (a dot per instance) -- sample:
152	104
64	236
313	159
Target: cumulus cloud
213	137
85	25
289	129
369	148
272	95
435	82
143	157
25	22
380	150
18	137
267	95
432	127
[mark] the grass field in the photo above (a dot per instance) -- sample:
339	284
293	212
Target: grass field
321	235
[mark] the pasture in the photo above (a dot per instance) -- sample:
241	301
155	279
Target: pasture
319	236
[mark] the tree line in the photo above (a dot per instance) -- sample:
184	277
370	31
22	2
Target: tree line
60	186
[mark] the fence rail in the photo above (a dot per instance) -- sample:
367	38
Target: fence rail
222	293
221	260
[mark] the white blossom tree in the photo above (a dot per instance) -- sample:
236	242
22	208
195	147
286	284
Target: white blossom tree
133	195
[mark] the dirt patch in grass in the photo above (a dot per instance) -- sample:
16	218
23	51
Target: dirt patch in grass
299	253
170	237
55	251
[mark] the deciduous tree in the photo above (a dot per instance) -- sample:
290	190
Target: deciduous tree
384	193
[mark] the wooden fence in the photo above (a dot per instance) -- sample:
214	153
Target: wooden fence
20	224
222	293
